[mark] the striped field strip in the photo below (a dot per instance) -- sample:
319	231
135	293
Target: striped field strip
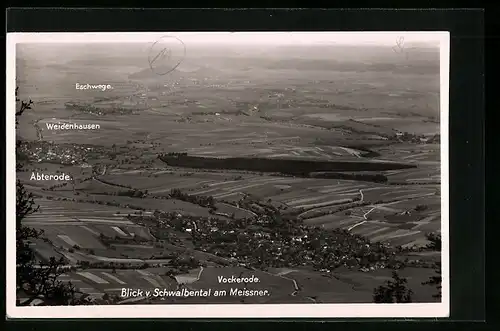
92	277
114	278
68	240
152	281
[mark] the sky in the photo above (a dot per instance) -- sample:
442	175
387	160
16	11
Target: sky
242	38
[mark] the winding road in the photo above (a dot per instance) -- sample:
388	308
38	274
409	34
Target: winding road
365	215
242	209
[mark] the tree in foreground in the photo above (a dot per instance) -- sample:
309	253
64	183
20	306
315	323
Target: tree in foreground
36	280
435	281
393	291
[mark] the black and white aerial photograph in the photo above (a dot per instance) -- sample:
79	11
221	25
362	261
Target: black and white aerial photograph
155	172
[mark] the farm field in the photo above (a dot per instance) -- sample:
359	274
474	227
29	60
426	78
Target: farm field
346	286
387	213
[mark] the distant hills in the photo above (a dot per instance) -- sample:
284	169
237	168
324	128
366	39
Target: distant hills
254	64
179	72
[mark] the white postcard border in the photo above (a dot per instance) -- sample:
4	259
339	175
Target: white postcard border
369	310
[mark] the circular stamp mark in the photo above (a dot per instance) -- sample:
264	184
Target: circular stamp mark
166	54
